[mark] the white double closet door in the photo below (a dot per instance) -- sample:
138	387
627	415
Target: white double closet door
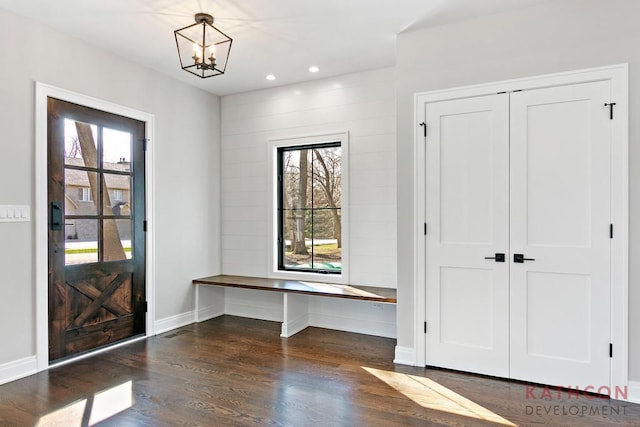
527	175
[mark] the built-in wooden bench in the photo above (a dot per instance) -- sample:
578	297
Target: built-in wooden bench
295	295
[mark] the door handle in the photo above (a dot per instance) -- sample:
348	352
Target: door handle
520	259
497	257
56	216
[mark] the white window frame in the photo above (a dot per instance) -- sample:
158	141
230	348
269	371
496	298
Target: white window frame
85	195
293	141
117	195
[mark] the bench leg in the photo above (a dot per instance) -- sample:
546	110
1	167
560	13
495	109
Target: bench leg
296	314
196	304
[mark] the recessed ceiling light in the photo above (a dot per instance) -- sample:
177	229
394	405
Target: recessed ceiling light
313	69
271	77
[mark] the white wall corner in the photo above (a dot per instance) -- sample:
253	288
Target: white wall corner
405	356
209	303
634	392
17	369
173	322
208	313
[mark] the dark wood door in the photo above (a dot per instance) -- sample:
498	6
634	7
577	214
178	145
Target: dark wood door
96	195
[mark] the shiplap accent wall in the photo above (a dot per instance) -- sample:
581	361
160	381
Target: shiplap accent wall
364	104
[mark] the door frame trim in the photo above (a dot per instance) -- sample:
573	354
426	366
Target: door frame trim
42	92
618	75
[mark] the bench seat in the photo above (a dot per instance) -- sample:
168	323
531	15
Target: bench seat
295	294
365	293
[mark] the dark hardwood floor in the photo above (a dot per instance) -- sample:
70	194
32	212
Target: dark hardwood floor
235	371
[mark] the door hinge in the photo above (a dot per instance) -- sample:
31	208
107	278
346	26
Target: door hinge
145	305
424	128
425	228
144	225
425	327
610	105
610	350
611	231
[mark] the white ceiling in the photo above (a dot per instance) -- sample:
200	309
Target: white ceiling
282	37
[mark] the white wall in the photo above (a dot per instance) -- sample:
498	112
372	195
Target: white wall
553	37
187	166
363	104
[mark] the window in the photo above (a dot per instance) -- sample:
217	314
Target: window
309	210
85	195
116	195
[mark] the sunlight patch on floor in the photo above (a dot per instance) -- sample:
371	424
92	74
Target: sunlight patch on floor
102	406
110	402
69	416
429	394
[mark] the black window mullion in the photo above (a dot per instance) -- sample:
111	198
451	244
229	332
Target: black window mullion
100	209
281	238
313	206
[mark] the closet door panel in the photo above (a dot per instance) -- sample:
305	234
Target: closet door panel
560	213
467	212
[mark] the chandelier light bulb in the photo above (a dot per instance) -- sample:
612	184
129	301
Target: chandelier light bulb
196	53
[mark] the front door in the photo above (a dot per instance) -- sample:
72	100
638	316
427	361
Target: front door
96	250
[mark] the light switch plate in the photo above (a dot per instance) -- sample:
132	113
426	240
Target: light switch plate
15	213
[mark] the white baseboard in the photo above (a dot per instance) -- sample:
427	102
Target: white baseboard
350	324
634	392
405	356
173	322
293	327
17	369
210	312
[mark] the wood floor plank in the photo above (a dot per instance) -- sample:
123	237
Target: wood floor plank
232	371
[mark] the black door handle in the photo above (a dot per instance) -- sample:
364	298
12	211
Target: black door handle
497	257
520	259
56	216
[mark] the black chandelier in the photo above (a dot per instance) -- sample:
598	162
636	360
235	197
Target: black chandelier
203	49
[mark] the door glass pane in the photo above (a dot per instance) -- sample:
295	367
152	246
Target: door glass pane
114	246
81	241
116	150
79	197
125	232
80	152
117	194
